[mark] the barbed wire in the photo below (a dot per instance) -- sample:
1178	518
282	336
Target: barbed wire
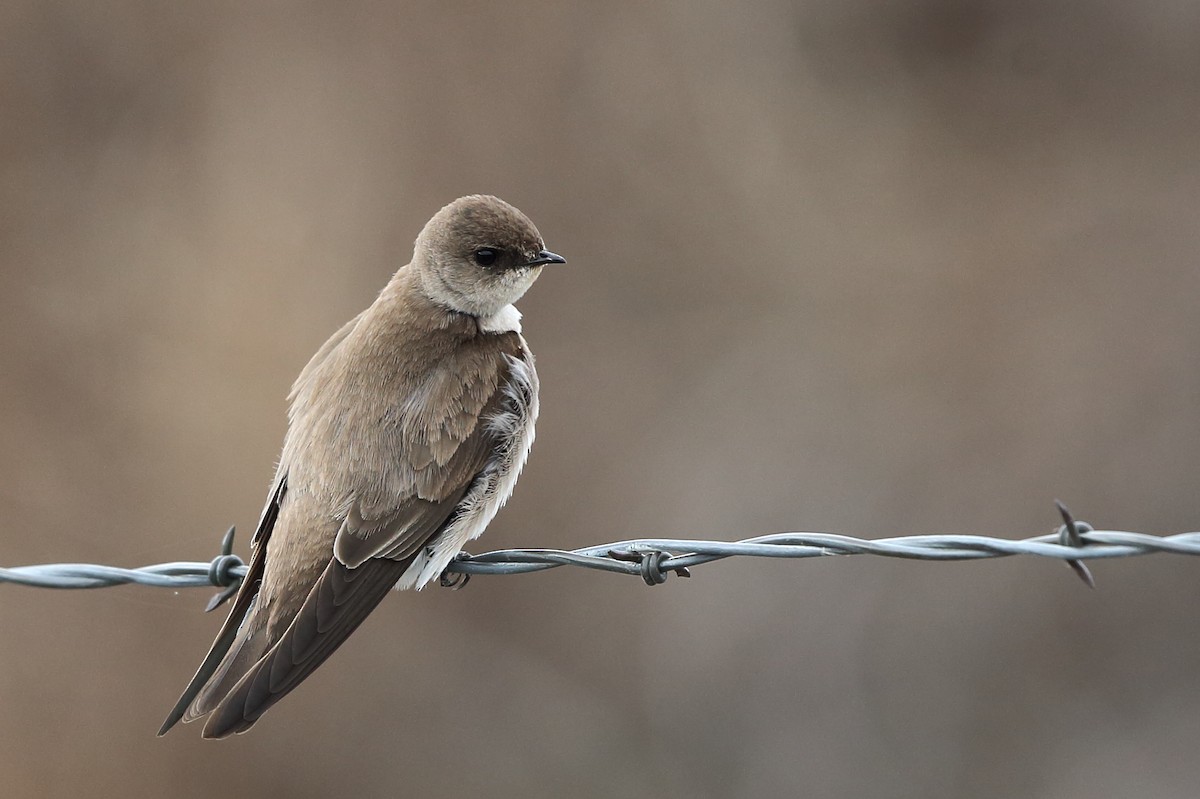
653	559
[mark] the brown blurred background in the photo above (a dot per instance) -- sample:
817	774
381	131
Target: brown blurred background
869	267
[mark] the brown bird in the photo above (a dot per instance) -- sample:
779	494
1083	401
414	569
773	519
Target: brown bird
407	431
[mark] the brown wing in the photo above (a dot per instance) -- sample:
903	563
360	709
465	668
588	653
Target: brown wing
370	557
241	605
403	530
338	603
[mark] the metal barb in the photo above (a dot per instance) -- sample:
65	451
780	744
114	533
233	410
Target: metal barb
1070	535
220	573
650	564
652	573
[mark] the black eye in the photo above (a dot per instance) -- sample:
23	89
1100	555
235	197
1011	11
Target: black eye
485	256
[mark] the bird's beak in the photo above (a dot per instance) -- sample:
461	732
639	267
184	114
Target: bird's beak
546	257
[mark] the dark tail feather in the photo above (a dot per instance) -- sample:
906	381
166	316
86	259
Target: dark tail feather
243	603
216	662
211	661
252	642
339	602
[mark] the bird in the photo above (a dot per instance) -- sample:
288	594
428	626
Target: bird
406	433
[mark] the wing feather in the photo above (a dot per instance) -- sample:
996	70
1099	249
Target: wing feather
242	603
337	604
403	530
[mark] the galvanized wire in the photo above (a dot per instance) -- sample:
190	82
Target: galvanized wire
653	559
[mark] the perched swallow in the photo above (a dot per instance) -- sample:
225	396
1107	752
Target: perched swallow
407	431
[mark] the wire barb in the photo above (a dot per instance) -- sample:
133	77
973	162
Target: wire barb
649	563
653	559
1071	535
221	572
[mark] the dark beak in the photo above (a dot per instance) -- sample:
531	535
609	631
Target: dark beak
546	257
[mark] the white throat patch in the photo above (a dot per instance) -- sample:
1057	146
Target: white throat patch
505	320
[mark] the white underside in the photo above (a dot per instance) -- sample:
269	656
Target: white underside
495	483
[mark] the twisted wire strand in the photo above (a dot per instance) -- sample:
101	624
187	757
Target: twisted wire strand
686	553
655	558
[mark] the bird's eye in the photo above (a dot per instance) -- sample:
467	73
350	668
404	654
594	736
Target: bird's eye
485	256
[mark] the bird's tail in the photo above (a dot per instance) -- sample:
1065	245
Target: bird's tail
241	641
248	647
336	605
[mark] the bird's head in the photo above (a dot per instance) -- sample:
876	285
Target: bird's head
479	254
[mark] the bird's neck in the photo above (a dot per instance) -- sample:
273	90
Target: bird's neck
409	302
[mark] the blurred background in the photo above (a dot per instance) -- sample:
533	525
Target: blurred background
875	268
